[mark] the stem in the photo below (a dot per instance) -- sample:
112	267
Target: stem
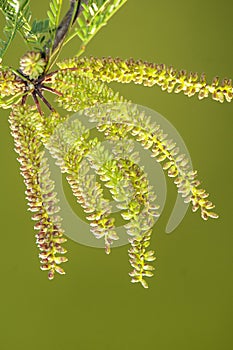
24	98
53	91
37	102
45	101
62	31
20	75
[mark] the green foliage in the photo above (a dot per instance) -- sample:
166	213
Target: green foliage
40	27
54	18
94	16
81	83
39	34
54	13
17	14
18	19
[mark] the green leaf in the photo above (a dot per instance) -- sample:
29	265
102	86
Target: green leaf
17	14
54	13
93	17
41	26
54	17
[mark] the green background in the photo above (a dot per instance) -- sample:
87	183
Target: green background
189	302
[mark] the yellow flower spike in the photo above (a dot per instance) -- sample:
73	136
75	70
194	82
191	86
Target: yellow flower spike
149	74
25	123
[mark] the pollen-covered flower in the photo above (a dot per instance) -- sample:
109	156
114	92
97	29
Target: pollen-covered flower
32	64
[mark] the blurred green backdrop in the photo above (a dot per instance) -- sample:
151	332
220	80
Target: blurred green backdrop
189	302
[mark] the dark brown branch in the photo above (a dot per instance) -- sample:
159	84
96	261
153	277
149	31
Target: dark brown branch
24	98
68	20
53	91
44	100
37	102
